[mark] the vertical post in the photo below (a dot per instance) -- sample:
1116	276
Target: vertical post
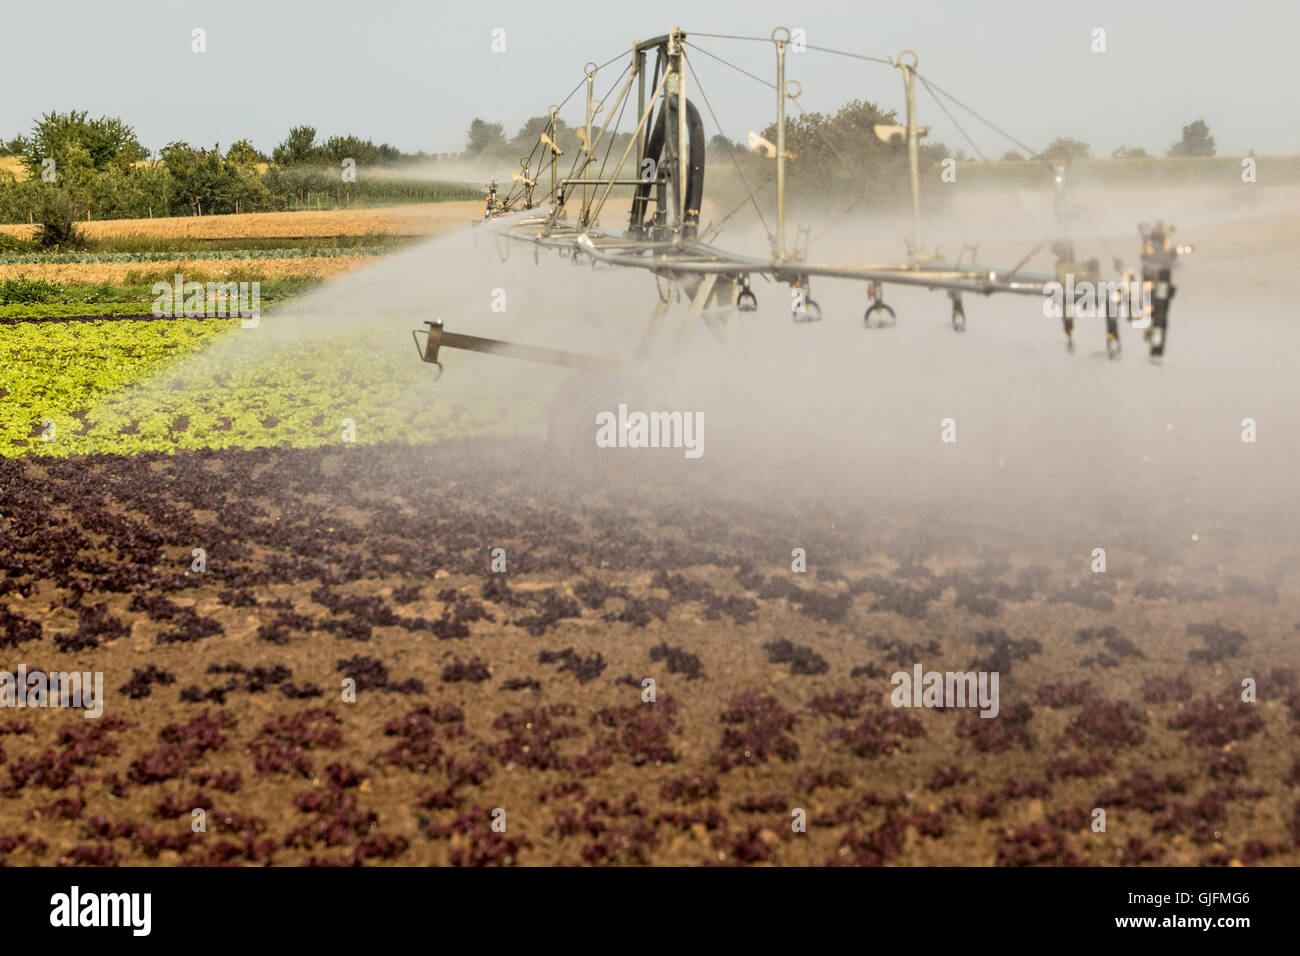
780	140
675	125
586	148
913	151
555	113
683	155
674	128
639	66
662	214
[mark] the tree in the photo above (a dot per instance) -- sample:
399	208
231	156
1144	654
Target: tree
298	148
77	176
363	151
839	159
106	141
244	187
1196	141
1067	148
484	137
203	180
57	215
1011	156
721	144
523	142
1128	152
242	153
247	191
143	190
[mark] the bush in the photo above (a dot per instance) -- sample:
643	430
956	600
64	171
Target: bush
13	245
25	290
57	216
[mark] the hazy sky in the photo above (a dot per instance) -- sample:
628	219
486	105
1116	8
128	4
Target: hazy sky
416	73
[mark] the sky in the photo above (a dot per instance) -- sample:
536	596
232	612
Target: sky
415	74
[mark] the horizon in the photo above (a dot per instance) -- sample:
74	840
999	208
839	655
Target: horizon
267	69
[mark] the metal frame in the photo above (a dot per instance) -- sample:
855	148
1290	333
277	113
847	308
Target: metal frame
711	276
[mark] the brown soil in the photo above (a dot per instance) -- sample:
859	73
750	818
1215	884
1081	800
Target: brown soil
522	691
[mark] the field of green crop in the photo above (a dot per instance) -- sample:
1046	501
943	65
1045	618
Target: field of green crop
22	297
82	371
124	387
60	258
52	372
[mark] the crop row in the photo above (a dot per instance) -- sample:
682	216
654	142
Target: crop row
61	258
129	387
223	268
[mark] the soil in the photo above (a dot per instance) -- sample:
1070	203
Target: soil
517	696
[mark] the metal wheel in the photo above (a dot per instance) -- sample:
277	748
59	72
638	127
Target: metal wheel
878	307
812	312
571	425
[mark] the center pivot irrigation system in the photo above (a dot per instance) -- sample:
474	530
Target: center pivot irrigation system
663	228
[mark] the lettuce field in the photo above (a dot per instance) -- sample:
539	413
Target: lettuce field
111	386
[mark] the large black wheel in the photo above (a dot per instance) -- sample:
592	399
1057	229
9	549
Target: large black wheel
572	426
570	409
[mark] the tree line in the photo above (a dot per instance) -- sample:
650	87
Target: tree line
1195	141
838	156
98	169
